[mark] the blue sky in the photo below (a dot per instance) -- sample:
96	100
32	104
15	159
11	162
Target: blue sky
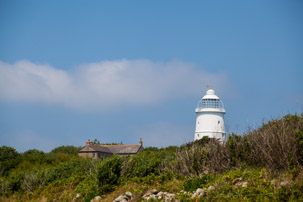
121	70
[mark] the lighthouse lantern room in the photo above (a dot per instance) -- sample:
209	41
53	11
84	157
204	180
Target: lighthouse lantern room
210	117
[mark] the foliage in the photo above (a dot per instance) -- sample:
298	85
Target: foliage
8	153
192	184
71	150
9	158
97	142
109	173
34	155
268	159
148	162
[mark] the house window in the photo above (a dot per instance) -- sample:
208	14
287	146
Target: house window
93	155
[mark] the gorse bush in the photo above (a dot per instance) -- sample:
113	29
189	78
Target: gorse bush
109	171
148	162
30	180
198	182
277	145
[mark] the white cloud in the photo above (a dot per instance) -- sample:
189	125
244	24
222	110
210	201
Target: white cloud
104	85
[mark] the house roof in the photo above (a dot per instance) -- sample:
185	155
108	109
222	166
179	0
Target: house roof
123	149
114	149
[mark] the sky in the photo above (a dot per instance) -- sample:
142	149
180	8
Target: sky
120	70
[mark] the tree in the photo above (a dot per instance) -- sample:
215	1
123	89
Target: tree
8	159
71	150
34	155
8	153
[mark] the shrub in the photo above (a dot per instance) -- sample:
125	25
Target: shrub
34	155
9	159
194	183
108	173
191	160
8	153
148	162
71	150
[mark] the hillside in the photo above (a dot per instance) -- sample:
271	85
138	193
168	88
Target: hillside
265	164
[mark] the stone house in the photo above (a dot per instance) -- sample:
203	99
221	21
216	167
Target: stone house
98	151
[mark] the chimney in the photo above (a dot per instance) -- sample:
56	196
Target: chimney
140	141
88	142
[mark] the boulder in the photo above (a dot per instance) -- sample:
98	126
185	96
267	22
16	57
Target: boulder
128	194
170	196
237	180
152	197
154	191
96	199
244	184
119	198
285	182
210	188
78	195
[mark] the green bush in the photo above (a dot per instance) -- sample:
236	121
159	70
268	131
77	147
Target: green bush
193	184
34	155
9	159
71	150
108	173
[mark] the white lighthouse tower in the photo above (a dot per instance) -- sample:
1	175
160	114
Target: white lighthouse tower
210	117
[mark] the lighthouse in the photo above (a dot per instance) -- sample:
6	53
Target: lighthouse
210	117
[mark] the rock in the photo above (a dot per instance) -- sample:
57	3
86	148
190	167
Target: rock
244	184
284	183
96	199
154	191
210	188
199	190
152	197
170	196
237	180
129	194
160	193
78	195
119	198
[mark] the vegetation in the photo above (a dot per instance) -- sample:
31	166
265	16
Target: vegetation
269	160
97	142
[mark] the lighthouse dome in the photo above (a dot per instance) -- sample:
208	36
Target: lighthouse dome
210	94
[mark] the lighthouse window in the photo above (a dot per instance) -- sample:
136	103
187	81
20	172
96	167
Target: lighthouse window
210	103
